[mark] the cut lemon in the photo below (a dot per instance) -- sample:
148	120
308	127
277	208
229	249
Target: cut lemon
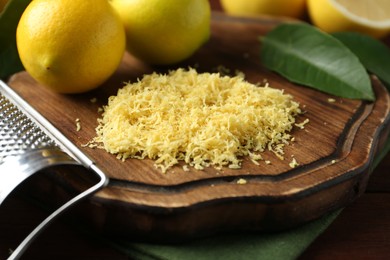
368	17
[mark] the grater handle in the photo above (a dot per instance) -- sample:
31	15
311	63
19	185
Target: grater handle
16	169
40	151
40	159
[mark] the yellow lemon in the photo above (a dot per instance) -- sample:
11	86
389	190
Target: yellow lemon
70	46
164	32
371	17
290	8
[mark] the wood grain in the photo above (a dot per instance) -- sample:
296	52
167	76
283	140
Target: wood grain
141	200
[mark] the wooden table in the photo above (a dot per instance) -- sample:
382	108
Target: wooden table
361	231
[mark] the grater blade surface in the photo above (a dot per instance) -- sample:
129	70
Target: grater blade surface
18	134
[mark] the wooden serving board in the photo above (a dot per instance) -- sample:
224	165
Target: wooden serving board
335	152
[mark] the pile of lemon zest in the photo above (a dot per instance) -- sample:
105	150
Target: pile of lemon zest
203	119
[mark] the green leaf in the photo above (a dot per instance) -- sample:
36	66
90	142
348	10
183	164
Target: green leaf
305	55
9	19
372	53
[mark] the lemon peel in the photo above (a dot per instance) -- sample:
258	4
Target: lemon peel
201	119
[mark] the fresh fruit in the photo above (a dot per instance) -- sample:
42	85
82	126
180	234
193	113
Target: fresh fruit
70	46
164	32
368	17
290	8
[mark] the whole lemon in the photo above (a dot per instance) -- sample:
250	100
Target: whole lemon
290	8
70	46
164	32
369	17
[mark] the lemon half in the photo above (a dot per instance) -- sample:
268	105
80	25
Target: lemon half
370	17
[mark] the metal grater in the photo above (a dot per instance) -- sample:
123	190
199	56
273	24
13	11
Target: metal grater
18	134
29	143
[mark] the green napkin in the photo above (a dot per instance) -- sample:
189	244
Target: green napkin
279	245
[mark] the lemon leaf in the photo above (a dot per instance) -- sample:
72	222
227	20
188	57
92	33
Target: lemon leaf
372	53
9	18
305	55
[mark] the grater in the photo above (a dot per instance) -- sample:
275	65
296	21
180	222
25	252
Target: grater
30	143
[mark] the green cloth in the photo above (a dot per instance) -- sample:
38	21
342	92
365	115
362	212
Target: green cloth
281	245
